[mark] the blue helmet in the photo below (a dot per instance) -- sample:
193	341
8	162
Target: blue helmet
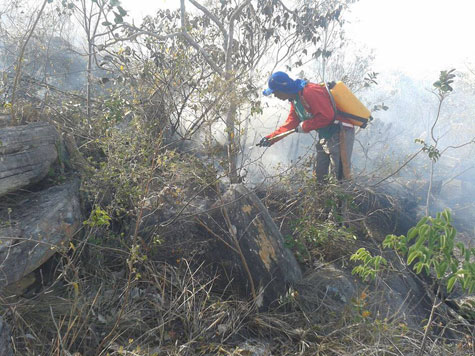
280	81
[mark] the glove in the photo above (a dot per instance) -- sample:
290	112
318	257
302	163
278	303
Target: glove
299	129
265	142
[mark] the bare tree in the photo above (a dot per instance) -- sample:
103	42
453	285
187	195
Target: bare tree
21	56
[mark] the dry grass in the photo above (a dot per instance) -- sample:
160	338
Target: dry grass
114	301
173	310
167	305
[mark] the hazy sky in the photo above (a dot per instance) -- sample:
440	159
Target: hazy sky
417	36
420	37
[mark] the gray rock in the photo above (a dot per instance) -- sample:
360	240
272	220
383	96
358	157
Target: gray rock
26	155
32	230
400	295
255	348
5	344
272	266
328	292
324	293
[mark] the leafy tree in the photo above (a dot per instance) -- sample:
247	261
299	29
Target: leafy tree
431	247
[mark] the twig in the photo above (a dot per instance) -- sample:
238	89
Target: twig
216	235
399	169
435	305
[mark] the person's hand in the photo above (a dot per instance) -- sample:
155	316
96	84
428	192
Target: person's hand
299	129
264	142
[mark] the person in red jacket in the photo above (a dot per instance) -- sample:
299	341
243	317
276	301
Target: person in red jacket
311	109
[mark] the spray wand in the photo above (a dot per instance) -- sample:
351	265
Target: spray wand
276	137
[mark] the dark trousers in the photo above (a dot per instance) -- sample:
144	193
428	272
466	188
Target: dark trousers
328	162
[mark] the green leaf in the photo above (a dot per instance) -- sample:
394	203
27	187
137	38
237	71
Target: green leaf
453	268
447	216
418	267
122	12
390	241
451	283
118	19
420	241
443	241
424	230
452	233
422	222
443	268
412	233
412	256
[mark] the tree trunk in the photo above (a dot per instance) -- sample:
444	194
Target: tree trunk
232	151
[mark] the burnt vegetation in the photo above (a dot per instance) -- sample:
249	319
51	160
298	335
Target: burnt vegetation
155	120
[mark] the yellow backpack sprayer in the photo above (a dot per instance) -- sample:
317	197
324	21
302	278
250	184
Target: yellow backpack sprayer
346	104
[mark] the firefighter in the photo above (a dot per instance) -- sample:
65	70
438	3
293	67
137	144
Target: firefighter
311	109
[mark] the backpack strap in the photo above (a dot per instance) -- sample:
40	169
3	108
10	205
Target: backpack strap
357	118
335	110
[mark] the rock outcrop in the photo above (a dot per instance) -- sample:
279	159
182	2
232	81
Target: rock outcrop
329	291
26	155
34	227
252	247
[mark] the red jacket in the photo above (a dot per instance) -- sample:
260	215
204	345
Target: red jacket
316	101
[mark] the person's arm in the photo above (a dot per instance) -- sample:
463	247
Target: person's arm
291	123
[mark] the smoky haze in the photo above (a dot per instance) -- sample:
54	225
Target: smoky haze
386	144
389	141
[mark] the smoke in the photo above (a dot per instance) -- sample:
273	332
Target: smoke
389	142
413	113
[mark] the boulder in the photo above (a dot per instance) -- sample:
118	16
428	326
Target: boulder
35	227
400	295
26	155
250	245
325	293
5	344
328	292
